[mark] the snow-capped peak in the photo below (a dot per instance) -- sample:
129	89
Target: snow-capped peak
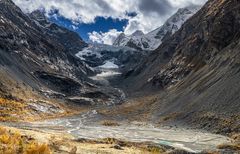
153	39
137	33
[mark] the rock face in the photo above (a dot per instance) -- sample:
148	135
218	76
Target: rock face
71	40
152	40
98	54
38	57
197	71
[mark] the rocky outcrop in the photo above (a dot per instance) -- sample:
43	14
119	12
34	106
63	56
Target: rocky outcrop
71	40
151	41
98	54
23	36
37	58
196	71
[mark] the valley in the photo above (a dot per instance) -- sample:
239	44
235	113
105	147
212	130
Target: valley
101	122
84	126
173	90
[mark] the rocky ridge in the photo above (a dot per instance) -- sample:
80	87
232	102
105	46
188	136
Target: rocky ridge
38	62
153	39
196	71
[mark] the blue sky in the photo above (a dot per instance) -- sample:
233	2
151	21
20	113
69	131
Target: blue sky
101	21
101	24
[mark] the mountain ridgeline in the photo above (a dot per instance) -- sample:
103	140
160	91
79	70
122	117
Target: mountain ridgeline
196	70
153	39
38	62
191	65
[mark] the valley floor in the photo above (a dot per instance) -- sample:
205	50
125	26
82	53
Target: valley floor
118	129
74	135
94	132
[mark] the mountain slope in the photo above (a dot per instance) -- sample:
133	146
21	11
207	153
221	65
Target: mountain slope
71	40
196	71
38	66
153	39
98	54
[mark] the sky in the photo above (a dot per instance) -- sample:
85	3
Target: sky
101	21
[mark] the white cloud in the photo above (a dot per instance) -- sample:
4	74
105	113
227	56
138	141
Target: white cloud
78	10
182	3
148	16
104	38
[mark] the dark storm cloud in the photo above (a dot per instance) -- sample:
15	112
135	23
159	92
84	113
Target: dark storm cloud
161	7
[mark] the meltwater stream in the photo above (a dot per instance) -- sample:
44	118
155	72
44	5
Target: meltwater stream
80	126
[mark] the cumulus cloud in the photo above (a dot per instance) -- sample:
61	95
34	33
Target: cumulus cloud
77	10
150	14
104	38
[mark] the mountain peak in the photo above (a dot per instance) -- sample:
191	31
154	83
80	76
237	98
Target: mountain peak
119	39
137	33
153	39
38	14
122	35
189	9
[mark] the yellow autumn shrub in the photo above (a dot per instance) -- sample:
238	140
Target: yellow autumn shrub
15	143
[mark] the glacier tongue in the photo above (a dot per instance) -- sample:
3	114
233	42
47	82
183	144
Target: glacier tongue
109	65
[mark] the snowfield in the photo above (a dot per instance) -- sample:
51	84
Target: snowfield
109	65
153	39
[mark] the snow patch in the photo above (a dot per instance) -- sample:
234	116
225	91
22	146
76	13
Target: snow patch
153	39
109	65
108	74
88	52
